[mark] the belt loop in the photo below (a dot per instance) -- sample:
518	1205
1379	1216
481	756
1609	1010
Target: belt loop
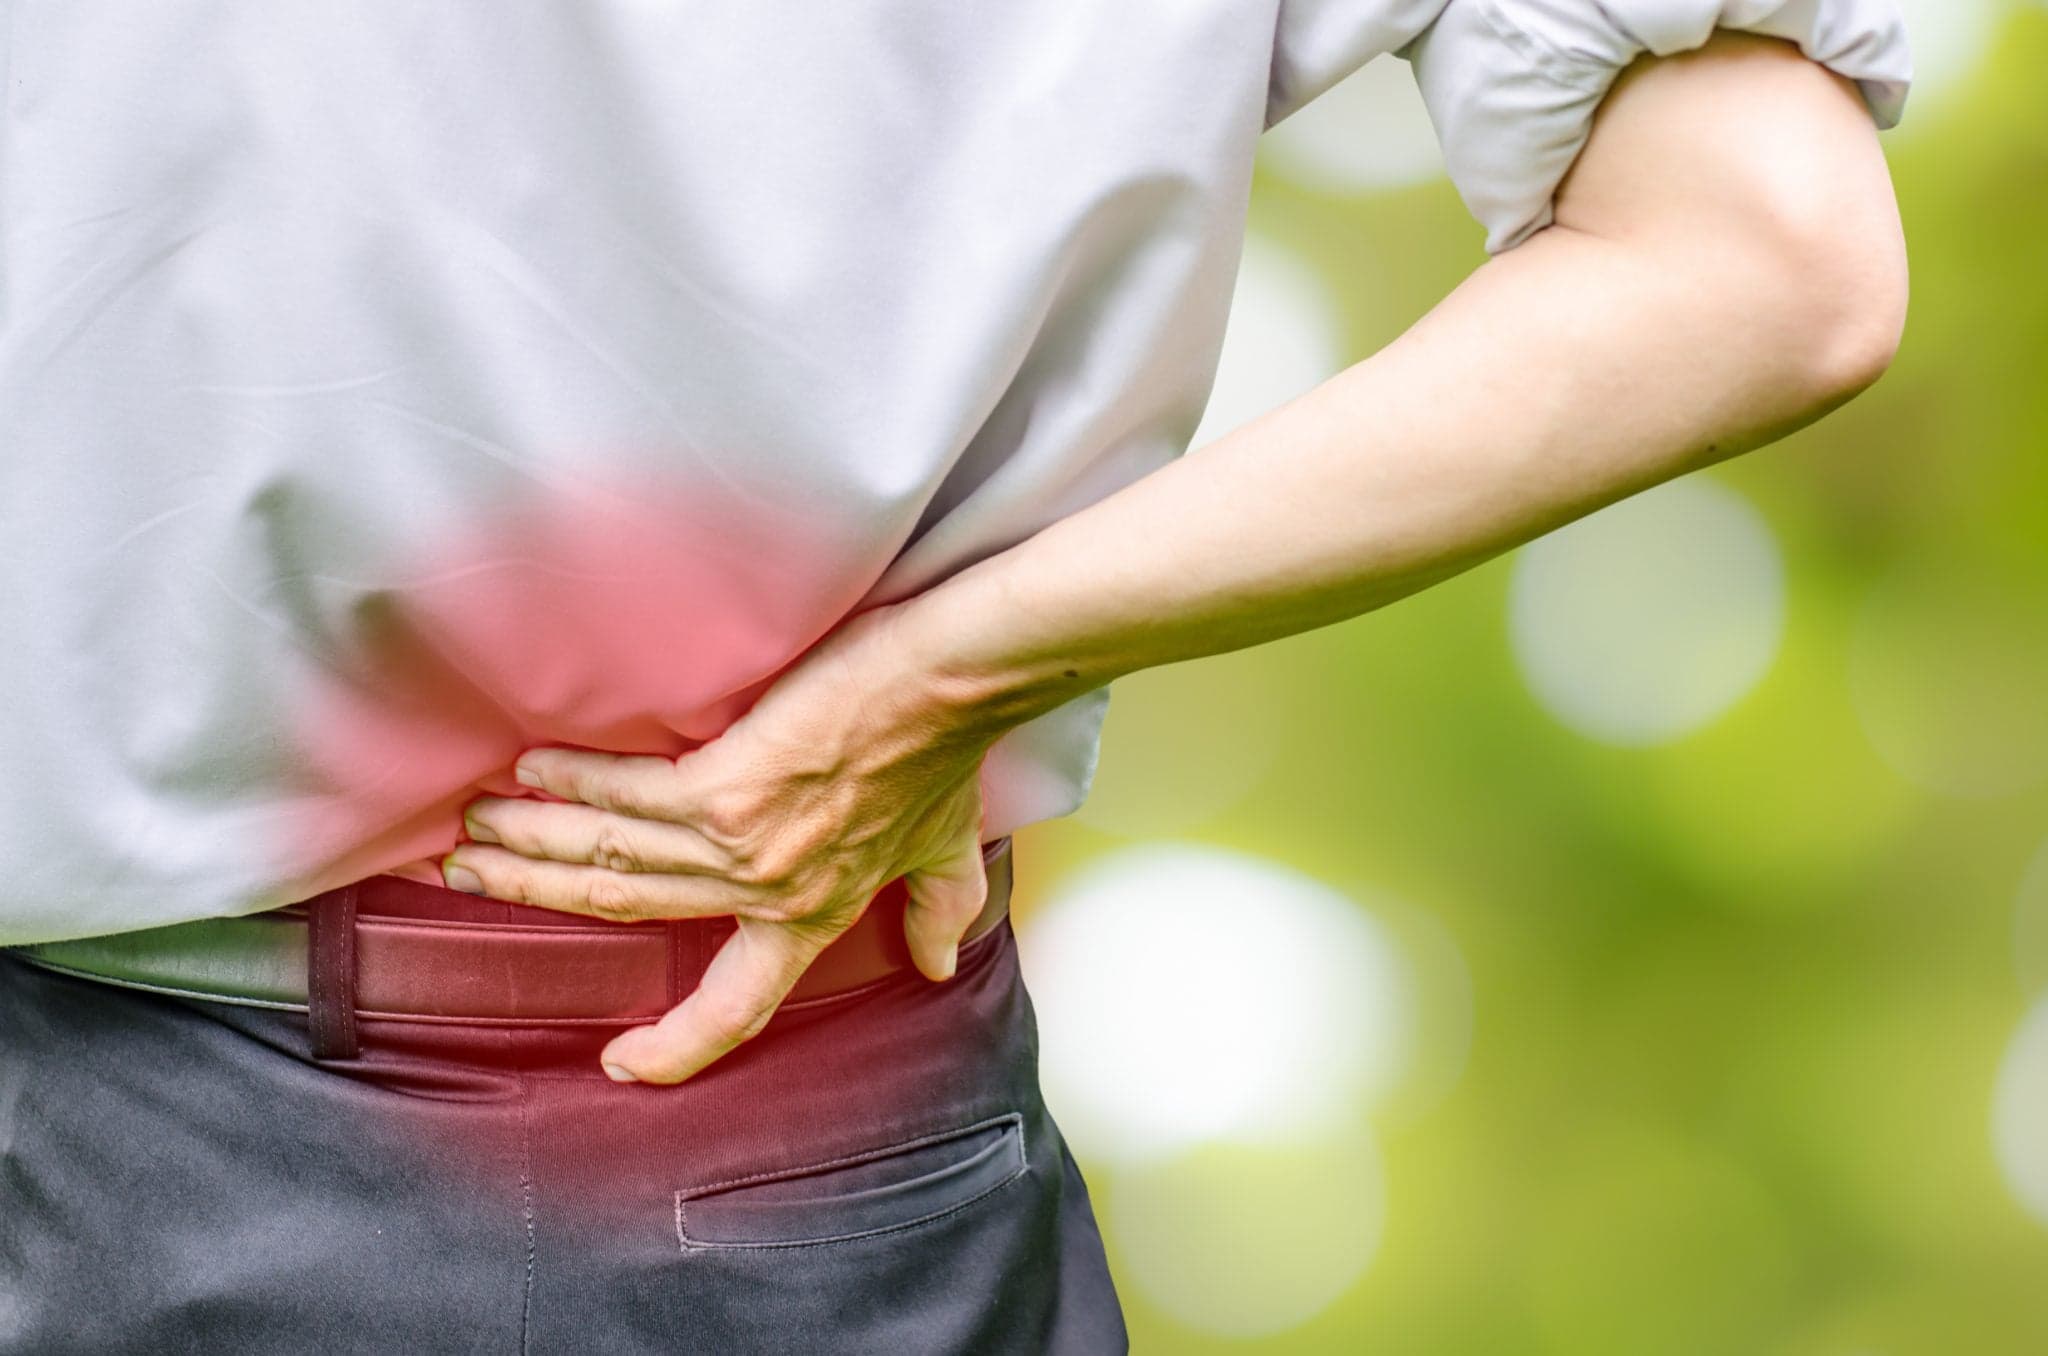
331	974
678	943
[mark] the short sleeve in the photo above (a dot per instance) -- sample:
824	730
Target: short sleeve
1316	43
1511	85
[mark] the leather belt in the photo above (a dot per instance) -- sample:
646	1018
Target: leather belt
424	953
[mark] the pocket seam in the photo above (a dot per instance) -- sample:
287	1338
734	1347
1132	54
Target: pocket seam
1014	1120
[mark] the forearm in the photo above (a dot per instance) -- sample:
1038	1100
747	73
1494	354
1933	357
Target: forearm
1570	372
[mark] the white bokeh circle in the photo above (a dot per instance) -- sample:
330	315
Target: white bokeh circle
1283	338
1188	994
1368	131
1646	619
2019	1113
1949	40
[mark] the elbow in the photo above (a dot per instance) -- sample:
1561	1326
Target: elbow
1847	292
1763	170
1830	254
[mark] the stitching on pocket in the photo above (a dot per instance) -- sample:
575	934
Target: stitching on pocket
1013	1123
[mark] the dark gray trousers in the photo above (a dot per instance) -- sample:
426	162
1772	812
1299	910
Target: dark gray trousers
874	1173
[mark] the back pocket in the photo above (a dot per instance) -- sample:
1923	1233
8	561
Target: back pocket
856	1197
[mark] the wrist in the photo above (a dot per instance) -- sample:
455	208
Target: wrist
964	653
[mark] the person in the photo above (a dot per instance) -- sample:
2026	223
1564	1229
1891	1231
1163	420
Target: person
535	531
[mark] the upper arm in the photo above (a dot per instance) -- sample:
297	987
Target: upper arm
1513	86
1746	155
1749	159
1743	135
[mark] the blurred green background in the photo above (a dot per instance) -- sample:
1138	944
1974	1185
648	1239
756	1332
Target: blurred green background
1633	944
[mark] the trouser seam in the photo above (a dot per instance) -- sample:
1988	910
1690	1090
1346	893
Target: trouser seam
525	1194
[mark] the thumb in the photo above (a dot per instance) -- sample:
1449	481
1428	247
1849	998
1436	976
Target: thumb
945	898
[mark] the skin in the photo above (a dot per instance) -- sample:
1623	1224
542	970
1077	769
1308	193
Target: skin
1726	265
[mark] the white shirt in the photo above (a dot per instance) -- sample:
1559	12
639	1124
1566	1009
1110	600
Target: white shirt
386	388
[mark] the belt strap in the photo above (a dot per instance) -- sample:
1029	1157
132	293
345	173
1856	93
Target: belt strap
391	947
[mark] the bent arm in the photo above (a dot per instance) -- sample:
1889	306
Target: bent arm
1726	264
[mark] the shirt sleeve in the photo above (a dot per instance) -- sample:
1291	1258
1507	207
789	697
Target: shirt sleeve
1511	85
1316	43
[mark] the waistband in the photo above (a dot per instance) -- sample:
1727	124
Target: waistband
424	953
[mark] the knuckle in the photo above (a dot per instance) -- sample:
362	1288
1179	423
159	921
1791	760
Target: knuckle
614	849
787	864
726	819
739	1022
609	897
763	868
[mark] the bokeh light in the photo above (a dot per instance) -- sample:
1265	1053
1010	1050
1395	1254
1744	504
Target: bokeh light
1187	993
1949	39
2019	1113
1645	620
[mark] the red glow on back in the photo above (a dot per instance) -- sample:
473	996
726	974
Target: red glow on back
638	626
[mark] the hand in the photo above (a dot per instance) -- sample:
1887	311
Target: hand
843	775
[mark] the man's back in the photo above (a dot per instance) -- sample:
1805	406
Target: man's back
389	388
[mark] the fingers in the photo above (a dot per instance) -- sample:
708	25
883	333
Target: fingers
945	899
616	896
565	831
641	785
744	984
